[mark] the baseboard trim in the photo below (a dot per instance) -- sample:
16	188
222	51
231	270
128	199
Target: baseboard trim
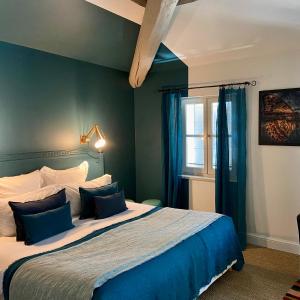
273	243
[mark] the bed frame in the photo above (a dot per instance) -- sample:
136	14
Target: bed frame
22	163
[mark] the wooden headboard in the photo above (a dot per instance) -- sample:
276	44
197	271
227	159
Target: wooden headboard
21	163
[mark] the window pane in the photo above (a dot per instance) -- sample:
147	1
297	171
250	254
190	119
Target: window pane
195	152
214	112
230	151
194	119
214	152
190	118
229	118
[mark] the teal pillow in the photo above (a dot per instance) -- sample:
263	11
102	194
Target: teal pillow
87	198
40	226
108	206
34	207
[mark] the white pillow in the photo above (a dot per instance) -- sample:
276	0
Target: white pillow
72	175
72	191
25	183
7	222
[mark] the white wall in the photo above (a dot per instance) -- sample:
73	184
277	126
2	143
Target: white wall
202	194
273	182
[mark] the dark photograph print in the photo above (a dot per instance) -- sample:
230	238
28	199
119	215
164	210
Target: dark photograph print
279	117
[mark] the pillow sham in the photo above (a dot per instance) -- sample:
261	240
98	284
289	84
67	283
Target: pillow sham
7	222
108	206
14	185
73	175
72	191
40	226
33	207
87	198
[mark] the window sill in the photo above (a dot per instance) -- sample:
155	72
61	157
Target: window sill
199	178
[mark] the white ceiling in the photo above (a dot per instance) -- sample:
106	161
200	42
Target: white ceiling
124	8
208	31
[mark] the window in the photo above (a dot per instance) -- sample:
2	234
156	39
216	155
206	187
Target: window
200	134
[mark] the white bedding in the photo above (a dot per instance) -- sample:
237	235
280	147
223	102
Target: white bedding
10	250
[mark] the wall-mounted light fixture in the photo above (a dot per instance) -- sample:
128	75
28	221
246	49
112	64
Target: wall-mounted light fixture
100	141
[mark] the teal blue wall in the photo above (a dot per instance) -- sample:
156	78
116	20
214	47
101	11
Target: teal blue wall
72	28
147	104
46	101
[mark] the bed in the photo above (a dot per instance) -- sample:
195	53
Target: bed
144	252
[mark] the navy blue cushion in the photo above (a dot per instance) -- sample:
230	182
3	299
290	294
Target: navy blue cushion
87	198
34	207
108	206
38	227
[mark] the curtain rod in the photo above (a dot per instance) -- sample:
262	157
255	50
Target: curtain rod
252	83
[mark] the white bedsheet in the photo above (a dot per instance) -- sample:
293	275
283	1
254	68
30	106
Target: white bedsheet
10	250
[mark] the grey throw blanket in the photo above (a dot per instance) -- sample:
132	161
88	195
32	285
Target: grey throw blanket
75	272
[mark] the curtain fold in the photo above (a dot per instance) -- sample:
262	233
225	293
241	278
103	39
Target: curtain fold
231	158
174	186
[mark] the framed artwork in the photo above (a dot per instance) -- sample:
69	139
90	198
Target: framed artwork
279	117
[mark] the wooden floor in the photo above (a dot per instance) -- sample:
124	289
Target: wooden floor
267	275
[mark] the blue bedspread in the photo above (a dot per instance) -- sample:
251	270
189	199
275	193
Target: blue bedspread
178	273
182	271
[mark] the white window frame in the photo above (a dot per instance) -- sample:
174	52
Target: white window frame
186	169
209	102
208	170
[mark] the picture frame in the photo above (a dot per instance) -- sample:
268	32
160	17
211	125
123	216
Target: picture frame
279	117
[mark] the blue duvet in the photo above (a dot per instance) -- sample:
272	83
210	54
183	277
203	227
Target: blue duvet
178	273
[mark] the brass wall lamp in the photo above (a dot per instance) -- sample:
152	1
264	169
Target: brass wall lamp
100	141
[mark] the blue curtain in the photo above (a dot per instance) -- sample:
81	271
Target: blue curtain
175	187
231	158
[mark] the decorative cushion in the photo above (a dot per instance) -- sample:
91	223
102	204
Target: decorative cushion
72	191
15	185
108	206
40	226
72	175
7	222
34	207
87	198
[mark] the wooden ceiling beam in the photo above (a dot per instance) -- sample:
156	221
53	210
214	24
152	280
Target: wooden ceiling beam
156	23
144	2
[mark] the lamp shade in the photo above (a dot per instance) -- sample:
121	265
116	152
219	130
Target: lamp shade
100	143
